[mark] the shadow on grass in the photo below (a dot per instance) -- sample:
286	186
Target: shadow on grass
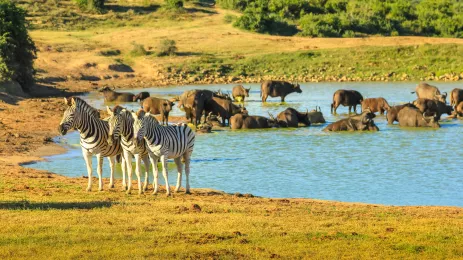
137	9
25	205
40	90
199	10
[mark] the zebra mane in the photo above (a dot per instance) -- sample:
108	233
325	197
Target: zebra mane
86	107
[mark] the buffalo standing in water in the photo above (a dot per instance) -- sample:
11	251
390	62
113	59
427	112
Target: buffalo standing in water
350	98
360	122
456	96
316	116
424	90
158	106
281	89
239	93
112	96
290	117
412	117
392	114
376	105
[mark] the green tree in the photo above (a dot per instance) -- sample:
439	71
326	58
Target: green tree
17	50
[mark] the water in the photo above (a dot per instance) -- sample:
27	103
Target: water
394	166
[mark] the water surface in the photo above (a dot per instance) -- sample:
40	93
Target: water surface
394	166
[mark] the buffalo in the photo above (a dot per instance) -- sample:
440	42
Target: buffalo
290	117
392	114
350	98
429	106
413	117
158	106
239	93
456	96
424	90
220	107
245	121
141	96
360	122
458	110
376	105
281	89
316	116
112	96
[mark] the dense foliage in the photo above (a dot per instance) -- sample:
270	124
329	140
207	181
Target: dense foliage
91	5
17	50
348	18
174	4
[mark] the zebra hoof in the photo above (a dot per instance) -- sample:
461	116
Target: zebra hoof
187	192
88	189
128	192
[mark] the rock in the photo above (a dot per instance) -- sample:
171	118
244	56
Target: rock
196	207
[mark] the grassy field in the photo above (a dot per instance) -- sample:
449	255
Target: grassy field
47	216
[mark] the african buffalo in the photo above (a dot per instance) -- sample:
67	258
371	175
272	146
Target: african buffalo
220	107
458	113
278	89
424	90
394	111
290	117
244	121
350	98
141	96
376	105
456	96
112	96
158	106
429	107
360	122
316	116
239	93
413	117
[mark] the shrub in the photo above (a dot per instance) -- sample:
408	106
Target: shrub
174	4
229	18
91	5
138	50
167	47
17	50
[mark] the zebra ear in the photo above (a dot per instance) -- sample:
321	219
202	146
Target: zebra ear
109	111
65	101
73	101
134	115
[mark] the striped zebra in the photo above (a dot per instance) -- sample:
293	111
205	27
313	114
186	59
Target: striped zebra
93	137
121	125
173	141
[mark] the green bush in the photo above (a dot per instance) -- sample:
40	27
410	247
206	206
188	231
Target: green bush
174	4
138	50
91	5
17	50
167	48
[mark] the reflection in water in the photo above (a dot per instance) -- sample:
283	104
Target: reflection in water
399	166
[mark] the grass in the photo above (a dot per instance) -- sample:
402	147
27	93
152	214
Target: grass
54	218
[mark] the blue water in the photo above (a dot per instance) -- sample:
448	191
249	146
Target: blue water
395	166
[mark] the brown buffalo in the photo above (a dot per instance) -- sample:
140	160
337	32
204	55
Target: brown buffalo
412	117
141	96
360	122
431	107
424	90
239	93
350	98
290	117
281	89
392	114
316	116
158	106
112	96
220	107
244	121
376	105
456	96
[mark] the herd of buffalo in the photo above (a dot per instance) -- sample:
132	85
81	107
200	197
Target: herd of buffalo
213	106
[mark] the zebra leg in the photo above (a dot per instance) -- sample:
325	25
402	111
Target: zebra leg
146	161
186	157
88	161
178	162
128	162
124	170
99	170
112	160
154	163
137	172
165	173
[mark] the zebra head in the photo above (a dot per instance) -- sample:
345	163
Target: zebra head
114	122
75	114
139	126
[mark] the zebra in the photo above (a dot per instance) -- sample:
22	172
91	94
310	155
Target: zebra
93	137
173	141
121	125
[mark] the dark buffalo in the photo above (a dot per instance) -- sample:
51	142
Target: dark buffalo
360	122
220	107
424	90
141	96
413	117
350	98
158	106
458	113
112	96
244	121
376	105
290	117
239	93
316	116
392	114
456	96
281	89
431	107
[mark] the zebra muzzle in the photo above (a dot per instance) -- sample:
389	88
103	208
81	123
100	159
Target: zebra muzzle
62	130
